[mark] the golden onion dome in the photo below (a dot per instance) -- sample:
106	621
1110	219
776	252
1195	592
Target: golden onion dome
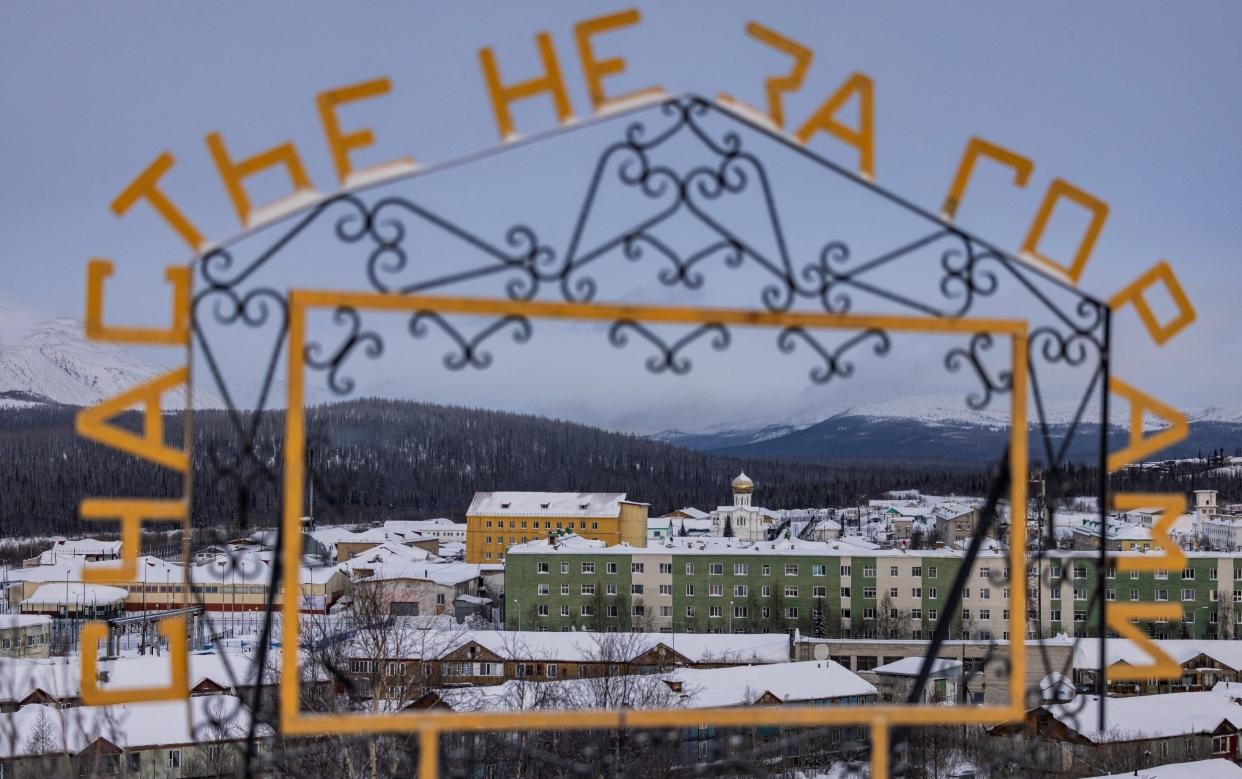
742	485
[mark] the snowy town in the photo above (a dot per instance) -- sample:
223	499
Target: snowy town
542	600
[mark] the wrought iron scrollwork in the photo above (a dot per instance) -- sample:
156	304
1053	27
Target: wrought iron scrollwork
835	365
972	355
468	353
669	357
370	341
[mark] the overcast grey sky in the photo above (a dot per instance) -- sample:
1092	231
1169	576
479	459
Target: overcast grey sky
1140	103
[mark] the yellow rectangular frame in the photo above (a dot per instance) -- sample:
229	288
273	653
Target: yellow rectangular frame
429	724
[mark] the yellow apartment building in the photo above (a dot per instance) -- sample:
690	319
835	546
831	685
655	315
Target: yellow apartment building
496	521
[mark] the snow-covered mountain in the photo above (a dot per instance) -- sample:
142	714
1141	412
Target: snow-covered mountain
924	426
51	362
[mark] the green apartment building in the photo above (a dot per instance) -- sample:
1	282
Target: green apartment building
838	589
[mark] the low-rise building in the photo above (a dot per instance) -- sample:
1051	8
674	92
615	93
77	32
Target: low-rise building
25	635
81	549
896	681
497	521
190	737
1152	729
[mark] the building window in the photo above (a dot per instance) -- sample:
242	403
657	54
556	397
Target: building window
869	593
892	570
1055	615
868	572
666	589
690	590
565	588
1160	574
564	610
588	588
588	567
739	569
587	610
791	612
765	570
791	570
1188	574
766	591
1188	595
819	592
715	590
916	592
1162	595
845	570
845	592
690	611
868	613
985	614
715	569
932	572
892	592
739	612
689	569
564	567
636	589
932	593
714	612
610	568
666	568
174	758
1110	595
637	567
739	590
542	609
791	592
541	568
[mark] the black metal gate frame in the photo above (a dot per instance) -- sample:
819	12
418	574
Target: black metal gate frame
970	268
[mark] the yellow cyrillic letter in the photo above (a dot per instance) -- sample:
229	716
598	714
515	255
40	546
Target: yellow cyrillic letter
342	143
94	422
174	628
550	82
976	148
1141	445
1162	666
863	138
1171	507
178	333
147	185
595	71
235	173
1058	189
775	85
132	513
1134	293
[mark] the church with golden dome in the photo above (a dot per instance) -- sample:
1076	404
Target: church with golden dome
743	520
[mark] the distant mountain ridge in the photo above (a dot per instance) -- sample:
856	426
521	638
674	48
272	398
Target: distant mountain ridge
938	428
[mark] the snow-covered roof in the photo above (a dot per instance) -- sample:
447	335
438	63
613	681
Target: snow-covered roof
811	680
716	545
1218	768
75	594
1123	650
86	546
1142	717
913	666
13	621
62	677
546	504
443	574
689	512
582	646
129	726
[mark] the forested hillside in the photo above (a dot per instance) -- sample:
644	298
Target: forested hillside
383	459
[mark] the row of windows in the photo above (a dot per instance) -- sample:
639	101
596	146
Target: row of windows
547	524
1188	574
743	569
